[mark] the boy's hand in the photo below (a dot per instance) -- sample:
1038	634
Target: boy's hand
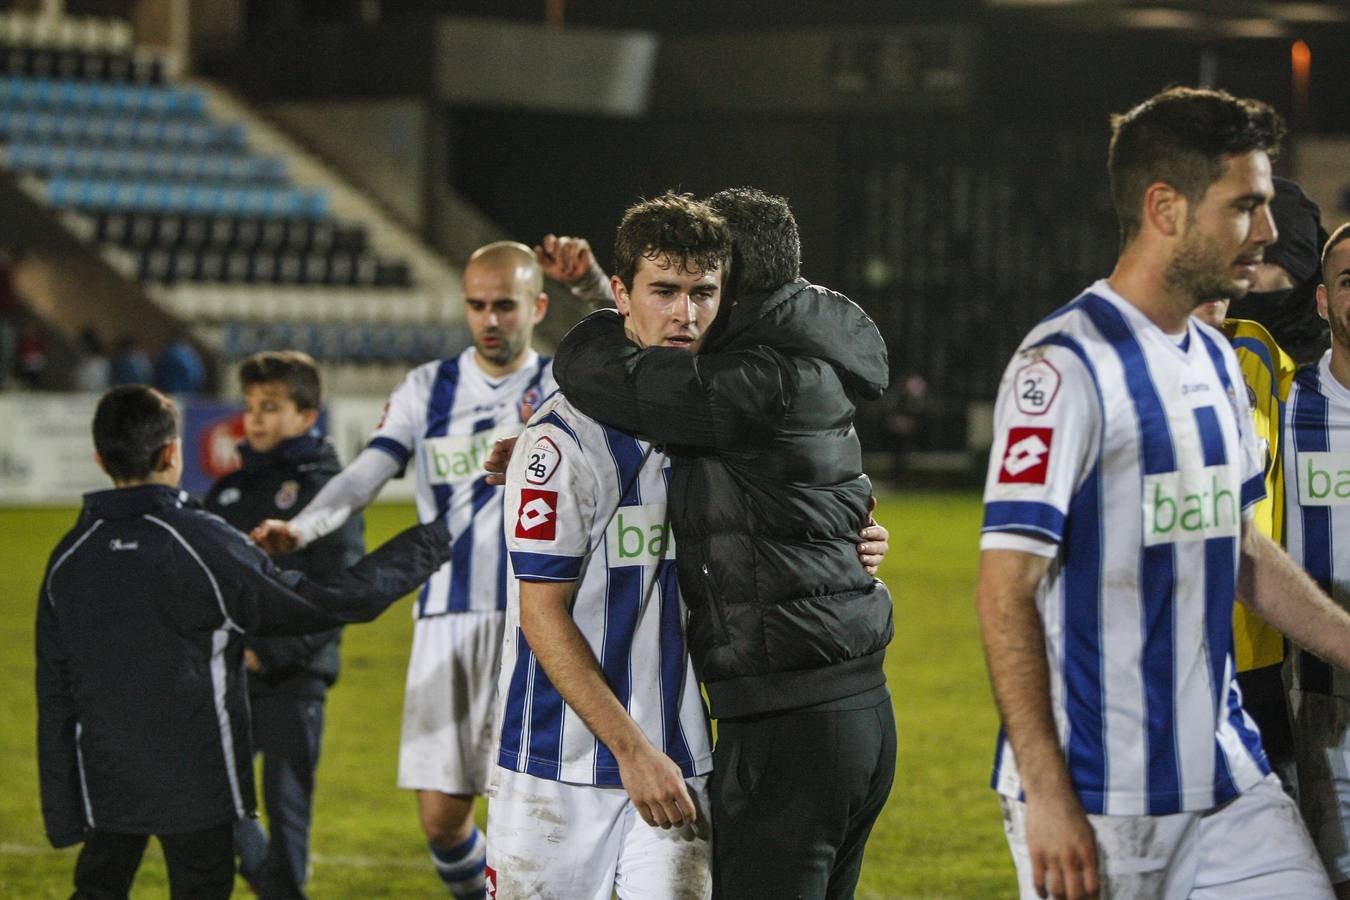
275	537
497	460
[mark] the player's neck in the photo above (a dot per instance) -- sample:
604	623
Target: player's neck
499	370
1143	285
1340	363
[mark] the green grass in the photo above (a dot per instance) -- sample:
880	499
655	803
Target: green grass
939	837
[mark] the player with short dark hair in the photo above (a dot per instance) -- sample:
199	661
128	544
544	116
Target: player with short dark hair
1117	532
593	653
142	710
767	495
285	461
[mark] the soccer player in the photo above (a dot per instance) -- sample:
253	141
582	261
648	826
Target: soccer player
443	419
143	721
767	495
1117	532
1317	469
285	463
602	724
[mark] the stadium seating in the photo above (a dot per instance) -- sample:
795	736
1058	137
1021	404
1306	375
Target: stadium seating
176	197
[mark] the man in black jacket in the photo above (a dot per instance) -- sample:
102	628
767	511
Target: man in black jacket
786	631
142	714
285	463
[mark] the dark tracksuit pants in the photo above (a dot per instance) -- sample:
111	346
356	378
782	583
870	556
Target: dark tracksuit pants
200	864
287	731
794	795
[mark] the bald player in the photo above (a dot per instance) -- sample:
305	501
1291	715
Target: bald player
443	419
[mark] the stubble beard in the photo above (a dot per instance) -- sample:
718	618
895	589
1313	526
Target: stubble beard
1196	272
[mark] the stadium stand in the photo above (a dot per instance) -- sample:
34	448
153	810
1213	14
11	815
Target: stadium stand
221	219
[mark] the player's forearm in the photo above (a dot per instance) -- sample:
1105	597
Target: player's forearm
571	666
349	492
1274	587
1014	648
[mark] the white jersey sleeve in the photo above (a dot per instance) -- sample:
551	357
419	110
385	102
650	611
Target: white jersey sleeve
550	505
405	416
1047	432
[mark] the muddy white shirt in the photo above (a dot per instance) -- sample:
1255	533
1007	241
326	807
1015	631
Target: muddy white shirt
1129	454
587	504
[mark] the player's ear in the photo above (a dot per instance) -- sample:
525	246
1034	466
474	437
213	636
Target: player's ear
540	307
311	418
620	291
167	458
1164	209
98	458
1322	300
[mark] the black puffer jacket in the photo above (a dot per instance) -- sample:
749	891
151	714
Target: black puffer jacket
142	715
276	485
767	494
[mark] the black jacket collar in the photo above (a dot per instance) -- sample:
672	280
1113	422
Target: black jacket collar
290	453
122	503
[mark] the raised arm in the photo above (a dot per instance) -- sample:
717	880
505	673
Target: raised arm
1059	837
717	401
652	779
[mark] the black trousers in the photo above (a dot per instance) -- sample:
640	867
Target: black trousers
200	863
794	796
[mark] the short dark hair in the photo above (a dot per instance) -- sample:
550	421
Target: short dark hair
1182	136
1342	233
767	250
297	370
132	424
672	225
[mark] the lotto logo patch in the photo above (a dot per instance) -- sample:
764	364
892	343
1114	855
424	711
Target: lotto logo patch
491	875
542	461
1036	386
538	518
1027	459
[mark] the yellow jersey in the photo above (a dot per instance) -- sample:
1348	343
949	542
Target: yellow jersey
1268	372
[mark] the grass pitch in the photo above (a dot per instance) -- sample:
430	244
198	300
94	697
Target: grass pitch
939	837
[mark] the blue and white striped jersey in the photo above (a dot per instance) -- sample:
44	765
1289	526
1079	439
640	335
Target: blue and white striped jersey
444	418
1132	453
586	503
1317	485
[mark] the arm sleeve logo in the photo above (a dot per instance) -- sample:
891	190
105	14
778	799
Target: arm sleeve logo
1036	386
538	518
542	461
1027	459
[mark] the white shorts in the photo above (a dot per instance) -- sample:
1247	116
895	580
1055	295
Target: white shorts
1253	848
558	841
448	704
1322	744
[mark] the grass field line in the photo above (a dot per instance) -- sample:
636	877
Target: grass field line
321	859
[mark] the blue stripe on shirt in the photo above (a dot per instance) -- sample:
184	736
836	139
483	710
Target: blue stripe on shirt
1158	575
1310	427
400	453
623	603
545	566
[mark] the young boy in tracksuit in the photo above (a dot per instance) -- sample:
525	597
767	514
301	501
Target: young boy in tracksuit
143	721
285	463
